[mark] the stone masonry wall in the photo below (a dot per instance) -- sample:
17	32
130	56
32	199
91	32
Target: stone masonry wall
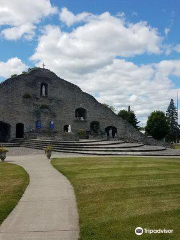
59	106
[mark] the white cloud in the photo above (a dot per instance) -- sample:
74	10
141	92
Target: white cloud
100	30
167	68
145	88
177	48
14	33
97	43
120	14
135	14
69	18
12	66
166	31
89	56
168	48
22	15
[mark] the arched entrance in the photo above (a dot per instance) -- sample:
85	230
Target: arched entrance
94	126
19	130
5	129
80	114
111	131
66	128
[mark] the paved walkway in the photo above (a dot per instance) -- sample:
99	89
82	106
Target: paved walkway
47	210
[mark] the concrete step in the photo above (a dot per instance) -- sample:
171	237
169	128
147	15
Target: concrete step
91	147
123	145
138	149
59	142
135	153
104	150
9	144
76	143
164	153
17	140
117	146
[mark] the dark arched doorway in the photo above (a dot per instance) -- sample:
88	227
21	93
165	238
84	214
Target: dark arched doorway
19	130
111	131
66	128
81	114
94	127
4	132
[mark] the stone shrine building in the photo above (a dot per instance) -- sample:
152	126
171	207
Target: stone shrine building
39	104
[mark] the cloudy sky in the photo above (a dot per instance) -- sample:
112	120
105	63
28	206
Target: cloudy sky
123	52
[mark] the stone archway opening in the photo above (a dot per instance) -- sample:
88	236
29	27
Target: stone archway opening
5	130
111	131
94	127
81	114
19	130
66	128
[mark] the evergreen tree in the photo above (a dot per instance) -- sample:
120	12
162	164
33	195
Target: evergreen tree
172	116
130	117
157	125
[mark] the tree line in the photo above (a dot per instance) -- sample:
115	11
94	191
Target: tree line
160	125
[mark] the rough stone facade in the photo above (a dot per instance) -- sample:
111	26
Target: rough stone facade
41	96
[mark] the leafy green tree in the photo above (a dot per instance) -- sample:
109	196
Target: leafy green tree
172	116
157	125
110	107
130	117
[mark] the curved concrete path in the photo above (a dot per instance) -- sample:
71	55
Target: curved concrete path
47	210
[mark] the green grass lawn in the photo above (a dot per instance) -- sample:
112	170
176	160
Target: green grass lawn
116	195
13	182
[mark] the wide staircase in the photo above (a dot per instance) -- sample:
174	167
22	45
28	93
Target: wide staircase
94	147
10	144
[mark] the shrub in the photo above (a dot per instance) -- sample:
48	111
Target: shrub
48	148
44	106
3	150
30	69
82	132
27	96
14	75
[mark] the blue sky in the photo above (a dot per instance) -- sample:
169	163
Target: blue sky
124	52
159	14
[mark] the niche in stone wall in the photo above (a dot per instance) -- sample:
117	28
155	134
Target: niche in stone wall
95	126
80	114
111	131
44	89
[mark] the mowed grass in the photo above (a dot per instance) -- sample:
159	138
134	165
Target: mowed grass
13	182
115	195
